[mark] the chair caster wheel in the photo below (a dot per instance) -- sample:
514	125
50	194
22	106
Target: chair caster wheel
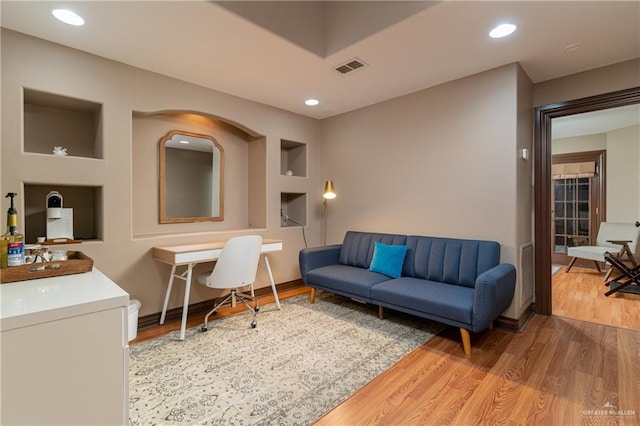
203	329
253	324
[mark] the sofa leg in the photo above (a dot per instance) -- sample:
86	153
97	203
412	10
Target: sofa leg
380	312
597	266
312	297
571	264
466	341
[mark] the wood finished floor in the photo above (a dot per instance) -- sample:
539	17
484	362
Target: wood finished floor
579	294
558	371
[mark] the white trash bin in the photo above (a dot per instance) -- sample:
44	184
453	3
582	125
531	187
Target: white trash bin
134	308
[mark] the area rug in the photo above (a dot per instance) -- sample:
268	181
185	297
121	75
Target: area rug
555	269
296	365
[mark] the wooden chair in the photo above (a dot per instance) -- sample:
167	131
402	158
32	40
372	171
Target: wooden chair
618	238
632	275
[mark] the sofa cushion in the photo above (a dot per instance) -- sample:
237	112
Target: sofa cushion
388	259
444	300
357	248
346	279
450	260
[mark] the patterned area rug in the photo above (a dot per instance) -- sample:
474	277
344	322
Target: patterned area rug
299	363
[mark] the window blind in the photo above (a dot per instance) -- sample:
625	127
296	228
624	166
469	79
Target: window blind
584	169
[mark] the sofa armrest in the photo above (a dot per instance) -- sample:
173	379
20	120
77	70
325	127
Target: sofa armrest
317	257
493	294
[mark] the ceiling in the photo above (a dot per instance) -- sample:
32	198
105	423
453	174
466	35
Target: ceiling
595	122
280	53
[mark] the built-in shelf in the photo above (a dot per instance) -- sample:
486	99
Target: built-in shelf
52	120
86	202
293	158
293	208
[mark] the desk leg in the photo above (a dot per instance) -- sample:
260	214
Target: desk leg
273	284
166	296
185	306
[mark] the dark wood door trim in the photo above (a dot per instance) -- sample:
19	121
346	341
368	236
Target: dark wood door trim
542	176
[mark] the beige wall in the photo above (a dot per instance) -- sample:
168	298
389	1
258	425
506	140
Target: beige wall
597	142
524	195
623	175
442	162
623	75
622	148
122	90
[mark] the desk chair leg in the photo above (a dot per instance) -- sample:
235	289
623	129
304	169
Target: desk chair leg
205	326
167	295
234	295
253	310
273	284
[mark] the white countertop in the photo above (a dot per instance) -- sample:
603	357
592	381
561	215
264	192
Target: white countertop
25	303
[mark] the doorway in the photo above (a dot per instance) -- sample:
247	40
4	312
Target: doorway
543	180
578	200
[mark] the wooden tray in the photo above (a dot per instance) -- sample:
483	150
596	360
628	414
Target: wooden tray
76	263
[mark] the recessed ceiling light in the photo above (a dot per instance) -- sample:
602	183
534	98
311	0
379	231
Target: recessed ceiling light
68	17
311	102
502	30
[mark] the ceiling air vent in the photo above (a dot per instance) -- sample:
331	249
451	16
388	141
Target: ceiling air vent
349	66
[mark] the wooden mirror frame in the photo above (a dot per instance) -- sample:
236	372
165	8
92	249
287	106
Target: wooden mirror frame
542	177
162	177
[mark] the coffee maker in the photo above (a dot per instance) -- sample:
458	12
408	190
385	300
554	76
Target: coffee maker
59	218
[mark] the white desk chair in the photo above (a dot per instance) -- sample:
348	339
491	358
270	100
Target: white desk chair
236	267
618	238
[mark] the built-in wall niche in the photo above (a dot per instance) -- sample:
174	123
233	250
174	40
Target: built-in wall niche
293	209
86	202
293	158
245	173
58	121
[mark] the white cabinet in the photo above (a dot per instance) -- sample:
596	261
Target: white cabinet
64	351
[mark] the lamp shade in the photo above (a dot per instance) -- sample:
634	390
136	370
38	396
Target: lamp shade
329	191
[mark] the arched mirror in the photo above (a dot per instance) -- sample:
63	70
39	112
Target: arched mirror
191	178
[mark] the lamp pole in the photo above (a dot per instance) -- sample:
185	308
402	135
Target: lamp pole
328	194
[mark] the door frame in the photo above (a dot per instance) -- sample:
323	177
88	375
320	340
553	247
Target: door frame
542	178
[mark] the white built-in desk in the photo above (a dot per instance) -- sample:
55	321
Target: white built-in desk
190	255
65	352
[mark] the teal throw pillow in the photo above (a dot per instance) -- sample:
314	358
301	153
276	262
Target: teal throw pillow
388	259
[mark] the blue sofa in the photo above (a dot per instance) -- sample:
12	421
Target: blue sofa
453	281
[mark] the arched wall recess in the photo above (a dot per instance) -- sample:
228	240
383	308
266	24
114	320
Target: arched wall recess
203	117
243	175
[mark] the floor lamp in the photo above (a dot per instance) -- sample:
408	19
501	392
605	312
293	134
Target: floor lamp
328	194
